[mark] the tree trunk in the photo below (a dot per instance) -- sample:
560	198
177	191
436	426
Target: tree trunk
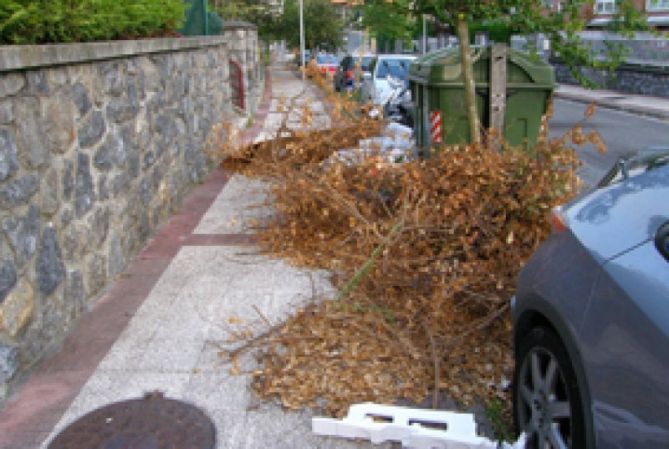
468	75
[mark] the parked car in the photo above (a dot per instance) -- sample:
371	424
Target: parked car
375	86
591	317
345	76
307	58
327	63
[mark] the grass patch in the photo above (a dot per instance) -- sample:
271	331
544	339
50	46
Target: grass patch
499	416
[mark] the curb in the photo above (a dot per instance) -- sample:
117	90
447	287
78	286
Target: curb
638	110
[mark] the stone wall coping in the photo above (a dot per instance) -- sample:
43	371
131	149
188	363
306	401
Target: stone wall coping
21	57
645	66
234	24
640	65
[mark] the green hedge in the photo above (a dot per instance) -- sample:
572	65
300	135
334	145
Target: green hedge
50	21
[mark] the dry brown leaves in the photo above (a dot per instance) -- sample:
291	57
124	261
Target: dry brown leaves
432	314
296	148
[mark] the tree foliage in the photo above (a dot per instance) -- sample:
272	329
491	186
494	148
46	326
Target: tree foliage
49	21
561	26
389	23
322	26
257	12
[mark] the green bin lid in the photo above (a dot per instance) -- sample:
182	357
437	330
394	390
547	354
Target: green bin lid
442	68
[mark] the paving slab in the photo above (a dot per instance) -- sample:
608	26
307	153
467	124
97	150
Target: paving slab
298	103
240	207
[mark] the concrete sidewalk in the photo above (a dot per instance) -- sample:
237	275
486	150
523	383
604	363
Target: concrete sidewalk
161	325
656	107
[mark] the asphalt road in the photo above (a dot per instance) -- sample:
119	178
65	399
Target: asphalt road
622	132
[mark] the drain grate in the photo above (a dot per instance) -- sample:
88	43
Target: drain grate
153	422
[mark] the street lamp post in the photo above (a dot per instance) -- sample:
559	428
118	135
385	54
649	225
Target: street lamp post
424	34
302	37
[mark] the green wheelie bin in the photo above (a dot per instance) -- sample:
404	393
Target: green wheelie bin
437	86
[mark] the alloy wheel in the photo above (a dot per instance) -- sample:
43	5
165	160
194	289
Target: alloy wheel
544	409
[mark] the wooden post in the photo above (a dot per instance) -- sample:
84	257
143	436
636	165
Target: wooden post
498	58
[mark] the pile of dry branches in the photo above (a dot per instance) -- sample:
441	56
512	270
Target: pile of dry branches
425	253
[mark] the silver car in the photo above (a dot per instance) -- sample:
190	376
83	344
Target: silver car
376	86
591	317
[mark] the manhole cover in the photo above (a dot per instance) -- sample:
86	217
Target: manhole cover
153	422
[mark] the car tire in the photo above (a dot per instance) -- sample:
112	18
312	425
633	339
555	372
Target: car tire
547	402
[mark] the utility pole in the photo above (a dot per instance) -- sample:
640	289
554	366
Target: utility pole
424	34
302	38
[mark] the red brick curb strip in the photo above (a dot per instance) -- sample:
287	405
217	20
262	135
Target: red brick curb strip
30	415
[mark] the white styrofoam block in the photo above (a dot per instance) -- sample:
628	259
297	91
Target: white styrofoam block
403	424
461	423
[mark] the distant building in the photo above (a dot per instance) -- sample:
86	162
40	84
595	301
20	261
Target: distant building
603	11
275	7
657	12
344	8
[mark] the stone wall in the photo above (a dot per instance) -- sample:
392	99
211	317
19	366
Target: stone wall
243	47
98	145
629	78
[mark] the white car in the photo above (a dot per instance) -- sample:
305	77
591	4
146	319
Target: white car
376	87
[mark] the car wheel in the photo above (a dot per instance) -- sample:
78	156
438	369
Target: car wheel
547	403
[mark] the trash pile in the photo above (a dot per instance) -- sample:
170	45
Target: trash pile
425	255
396	144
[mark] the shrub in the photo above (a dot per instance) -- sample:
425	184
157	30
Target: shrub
51	21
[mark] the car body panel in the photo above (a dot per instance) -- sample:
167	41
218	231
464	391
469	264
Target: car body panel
614	219
603	285
624	342
545	294
560	257
327	63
